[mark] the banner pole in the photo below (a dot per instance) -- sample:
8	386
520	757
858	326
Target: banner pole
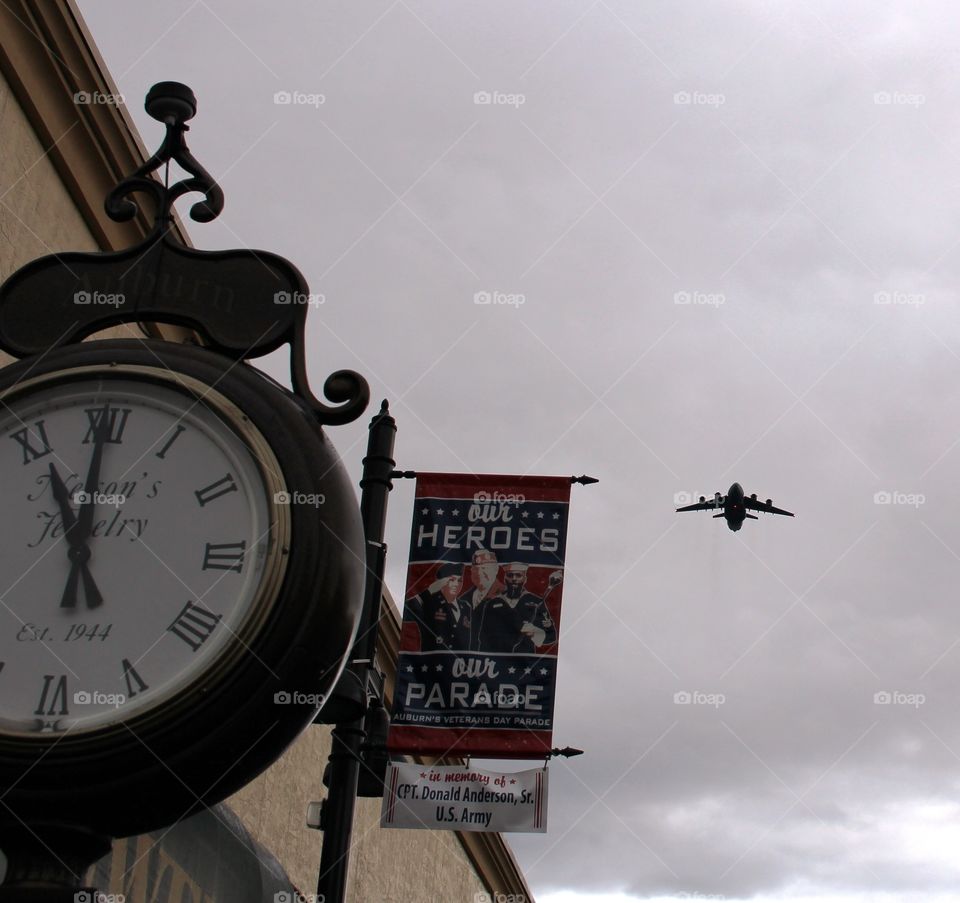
347	740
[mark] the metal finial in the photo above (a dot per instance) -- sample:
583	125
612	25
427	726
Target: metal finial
567	752
172	104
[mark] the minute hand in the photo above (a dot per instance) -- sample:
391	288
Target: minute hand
100	435
81	530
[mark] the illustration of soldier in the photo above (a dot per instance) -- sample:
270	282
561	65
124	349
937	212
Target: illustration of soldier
517	620
484	571
443	620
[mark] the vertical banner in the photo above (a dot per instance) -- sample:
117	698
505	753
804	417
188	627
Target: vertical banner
478	653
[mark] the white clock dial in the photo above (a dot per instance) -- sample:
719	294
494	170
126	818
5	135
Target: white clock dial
140	535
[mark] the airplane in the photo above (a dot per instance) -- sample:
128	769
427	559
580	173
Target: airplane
735	505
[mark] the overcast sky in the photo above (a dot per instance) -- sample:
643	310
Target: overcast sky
791	172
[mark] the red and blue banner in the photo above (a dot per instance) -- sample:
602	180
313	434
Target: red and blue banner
478	654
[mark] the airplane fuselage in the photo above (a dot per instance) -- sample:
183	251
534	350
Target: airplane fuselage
734	510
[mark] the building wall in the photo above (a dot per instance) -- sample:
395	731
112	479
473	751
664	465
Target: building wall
38	216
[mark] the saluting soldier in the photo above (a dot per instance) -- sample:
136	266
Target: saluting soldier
444	622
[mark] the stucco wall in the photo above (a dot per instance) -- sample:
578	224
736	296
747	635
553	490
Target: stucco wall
37	214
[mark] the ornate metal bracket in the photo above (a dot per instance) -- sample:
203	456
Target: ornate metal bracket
243	303
172	104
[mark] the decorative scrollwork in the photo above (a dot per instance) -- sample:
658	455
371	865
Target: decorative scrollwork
172	104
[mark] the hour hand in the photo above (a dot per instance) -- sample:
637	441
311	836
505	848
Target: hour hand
78	553
62	497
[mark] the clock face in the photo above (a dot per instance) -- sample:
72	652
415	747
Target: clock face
142	539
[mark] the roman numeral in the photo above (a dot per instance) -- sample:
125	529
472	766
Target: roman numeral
224	556
215	490
130	675
116	424
30	453
163	451
194	625
57	694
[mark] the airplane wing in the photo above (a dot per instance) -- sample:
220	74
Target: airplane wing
711	505
756	505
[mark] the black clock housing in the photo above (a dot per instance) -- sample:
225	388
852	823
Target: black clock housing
198	747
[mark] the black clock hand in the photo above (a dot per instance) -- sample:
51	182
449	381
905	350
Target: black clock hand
78	553
62	496
80	531
90	487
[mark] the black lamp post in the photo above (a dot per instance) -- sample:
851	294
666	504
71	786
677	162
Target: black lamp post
361	689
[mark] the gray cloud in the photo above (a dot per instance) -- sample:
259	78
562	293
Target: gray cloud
807	180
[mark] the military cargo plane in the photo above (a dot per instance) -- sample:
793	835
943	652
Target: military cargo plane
735	505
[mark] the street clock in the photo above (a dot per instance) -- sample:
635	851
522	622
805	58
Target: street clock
182	554
177	579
